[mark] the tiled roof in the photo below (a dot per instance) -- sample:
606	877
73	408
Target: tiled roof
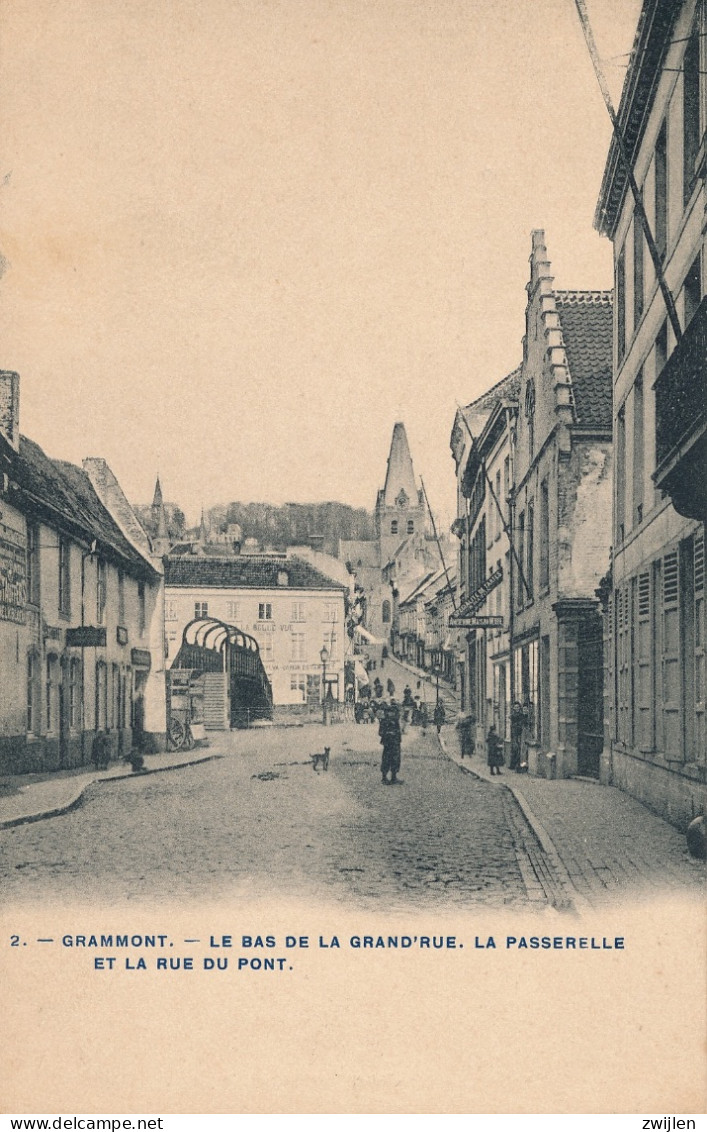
246	572
507	388
586	321
61	493
422	584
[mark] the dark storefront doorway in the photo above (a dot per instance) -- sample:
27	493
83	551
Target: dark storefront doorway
590	697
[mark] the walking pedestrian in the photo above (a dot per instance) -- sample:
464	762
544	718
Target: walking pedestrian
424	718
391	687
494	749
439	716
390	736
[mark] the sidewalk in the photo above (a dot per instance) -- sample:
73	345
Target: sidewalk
30	797
607	845
446	693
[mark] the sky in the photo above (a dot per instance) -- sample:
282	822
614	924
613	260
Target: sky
242	238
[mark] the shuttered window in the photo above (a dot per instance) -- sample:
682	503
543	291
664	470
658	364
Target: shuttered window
670	657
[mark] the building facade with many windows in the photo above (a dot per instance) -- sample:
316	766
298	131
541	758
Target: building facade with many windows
288	606
655	744
81	610
484	481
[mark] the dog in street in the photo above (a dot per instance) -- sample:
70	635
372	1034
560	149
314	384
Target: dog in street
321	757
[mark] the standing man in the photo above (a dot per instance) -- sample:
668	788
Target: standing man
439	715
390	737
517	720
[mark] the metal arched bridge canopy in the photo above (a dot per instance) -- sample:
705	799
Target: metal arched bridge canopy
210	633
211	645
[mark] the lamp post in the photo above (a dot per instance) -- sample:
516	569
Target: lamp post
324	656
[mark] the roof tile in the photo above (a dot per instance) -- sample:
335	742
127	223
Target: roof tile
246	572
586	321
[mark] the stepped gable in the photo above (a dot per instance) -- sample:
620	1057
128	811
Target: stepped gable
246	572
586	321
63	493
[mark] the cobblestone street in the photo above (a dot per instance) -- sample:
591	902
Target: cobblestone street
260	822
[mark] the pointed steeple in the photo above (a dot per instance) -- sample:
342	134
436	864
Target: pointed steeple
160	537
400	476
157	500
203	530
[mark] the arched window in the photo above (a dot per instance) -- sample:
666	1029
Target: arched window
394	526
411	526
530	415
386	613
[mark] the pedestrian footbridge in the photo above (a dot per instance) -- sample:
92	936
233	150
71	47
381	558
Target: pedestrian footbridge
227	663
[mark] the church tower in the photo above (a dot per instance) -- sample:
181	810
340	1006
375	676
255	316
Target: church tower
400	507
160	534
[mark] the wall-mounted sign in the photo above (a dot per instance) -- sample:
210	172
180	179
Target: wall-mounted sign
121	635
141	658
466	618
482	592
86	637
13	576
490	622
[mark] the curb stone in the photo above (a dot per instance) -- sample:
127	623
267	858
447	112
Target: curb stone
74	804
579	903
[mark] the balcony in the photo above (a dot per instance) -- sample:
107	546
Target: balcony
681	421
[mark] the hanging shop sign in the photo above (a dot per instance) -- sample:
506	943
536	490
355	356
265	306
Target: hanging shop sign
86	637
491	622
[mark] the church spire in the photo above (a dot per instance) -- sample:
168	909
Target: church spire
400	476
157	500
160	536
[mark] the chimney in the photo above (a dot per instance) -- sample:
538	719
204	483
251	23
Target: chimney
10	407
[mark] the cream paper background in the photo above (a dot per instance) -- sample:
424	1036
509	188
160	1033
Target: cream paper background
344	1031
347	1031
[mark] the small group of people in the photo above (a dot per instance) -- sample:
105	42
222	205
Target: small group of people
495	757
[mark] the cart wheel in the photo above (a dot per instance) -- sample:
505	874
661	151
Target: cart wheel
177	734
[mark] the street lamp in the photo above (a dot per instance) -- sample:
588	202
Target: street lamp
324	656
